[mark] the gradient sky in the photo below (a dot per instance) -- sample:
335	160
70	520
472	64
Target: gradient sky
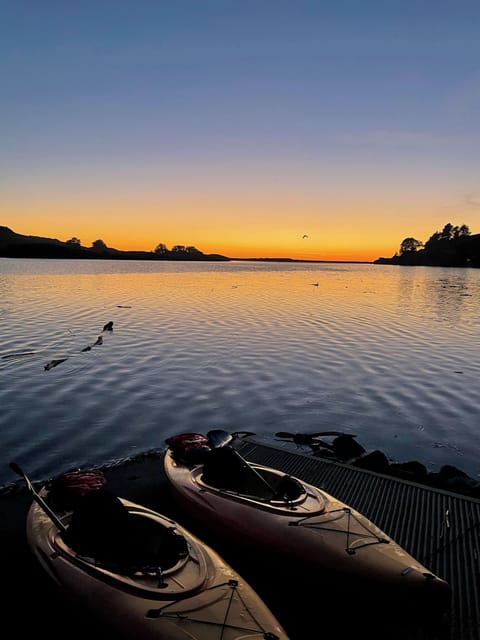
239	126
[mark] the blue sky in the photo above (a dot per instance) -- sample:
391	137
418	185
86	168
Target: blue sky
230	119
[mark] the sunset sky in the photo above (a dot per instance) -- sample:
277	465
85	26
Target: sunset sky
238	126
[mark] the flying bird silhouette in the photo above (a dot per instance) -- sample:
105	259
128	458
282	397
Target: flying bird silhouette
304	236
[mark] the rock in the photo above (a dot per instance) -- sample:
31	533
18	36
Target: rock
412	470
374	461
346	448
451	478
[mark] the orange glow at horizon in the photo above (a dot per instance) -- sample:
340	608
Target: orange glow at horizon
233	244
271	228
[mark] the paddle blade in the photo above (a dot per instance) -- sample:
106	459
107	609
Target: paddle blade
308	436
329	433
306	439
16	468
19	471
219	438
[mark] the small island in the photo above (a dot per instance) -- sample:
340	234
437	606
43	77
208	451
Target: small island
452	247
15	245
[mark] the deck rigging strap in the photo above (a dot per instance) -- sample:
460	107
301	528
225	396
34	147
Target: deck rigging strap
233	584
369	537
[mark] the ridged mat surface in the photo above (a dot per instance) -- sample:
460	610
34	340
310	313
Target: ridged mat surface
440	529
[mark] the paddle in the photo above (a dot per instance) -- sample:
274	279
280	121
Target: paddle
254	472
309	439
310	436
17	469
219	438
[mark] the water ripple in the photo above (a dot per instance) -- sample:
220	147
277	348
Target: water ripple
390	355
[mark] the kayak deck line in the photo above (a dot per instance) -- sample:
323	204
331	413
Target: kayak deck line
319	523
187	614
439	528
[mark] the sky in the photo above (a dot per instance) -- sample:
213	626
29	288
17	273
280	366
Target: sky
240	126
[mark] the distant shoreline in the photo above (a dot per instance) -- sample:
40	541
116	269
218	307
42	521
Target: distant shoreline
302	260
15	245
204	259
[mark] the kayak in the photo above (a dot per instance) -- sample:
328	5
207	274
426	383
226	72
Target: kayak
137	571
330	544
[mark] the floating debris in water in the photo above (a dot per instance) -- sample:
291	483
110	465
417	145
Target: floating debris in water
19	355
53	363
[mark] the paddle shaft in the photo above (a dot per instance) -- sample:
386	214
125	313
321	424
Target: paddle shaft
38	499
254	471
220	438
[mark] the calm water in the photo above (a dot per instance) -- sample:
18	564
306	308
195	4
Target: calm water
390	354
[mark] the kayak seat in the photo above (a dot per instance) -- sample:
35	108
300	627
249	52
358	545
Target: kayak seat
224	468
101	527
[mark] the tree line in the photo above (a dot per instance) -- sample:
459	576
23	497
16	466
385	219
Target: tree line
453	246
15	245
161	249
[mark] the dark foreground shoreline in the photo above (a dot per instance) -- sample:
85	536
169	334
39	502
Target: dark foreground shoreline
35	606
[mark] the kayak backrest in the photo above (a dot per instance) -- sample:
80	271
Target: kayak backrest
98	524
224	468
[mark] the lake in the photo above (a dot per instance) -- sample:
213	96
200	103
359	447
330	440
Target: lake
388	353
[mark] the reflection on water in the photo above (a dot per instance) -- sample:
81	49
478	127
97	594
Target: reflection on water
390	354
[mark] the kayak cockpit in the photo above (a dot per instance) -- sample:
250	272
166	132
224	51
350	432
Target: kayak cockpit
226	470
216	465
101	528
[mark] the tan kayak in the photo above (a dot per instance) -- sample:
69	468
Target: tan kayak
328	541
140	573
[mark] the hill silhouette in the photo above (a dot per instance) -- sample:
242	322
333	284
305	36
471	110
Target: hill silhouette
15	245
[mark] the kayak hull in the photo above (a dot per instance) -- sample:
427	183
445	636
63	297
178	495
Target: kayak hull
329	544
200	597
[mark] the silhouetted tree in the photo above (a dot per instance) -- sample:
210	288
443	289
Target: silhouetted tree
453	246
74	241
99	245
461	232
447	232
410	245
161	248
192	251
